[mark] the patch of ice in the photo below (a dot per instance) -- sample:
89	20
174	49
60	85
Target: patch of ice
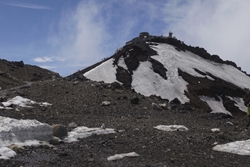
84	132
171	127
120	156
237	147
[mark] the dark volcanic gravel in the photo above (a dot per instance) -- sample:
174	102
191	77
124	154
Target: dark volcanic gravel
134	124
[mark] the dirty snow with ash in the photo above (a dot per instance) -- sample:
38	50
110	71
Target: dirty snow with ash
84	132
120	156
145	81
171	127
21	132
21	102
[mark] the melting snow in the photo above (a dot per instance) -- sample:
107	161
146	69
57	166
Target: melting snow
6	153
237	147
171	127
239	103
21	132
83	132
168	89
216	106
21	102
120	156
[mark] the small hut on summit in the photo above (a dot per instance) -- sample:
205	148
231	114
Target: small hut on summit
144	35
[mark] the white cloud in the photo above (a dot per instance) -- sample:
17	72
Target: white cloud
82	34
221	27
30	6
47	59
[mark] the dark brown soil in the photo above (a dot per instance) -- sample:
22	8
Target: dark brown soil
134	124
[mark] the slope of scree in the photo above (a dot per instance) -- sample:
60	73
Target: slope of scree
140	50
81	103
16	73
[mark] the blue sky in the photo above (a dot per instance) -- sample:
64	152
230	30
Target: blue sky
69	35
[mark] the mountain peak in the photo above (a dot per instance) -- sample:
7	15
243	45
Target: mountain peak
168	68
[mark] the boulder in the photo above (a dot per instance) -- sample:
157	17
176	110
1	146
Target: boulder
59	130
156	106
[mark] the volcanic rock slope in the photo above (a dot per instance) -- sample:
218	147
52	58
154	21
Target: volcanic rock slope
179	79
16	73
168	68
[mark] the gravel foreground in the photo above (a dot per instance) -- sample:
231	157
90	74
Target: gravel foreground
80	102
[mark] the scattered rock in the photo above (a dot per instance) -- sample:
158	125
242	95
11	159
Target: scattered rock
59	130
135	100
45	145
175	101
16	148
164	106
55	141
103	126
72	125
156	106
63	153
75	83
115	85
230	123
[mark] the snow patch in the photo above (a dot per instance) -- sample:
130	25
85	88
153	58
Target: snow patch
120	156
147	82
239	103
13	130
171	128
237	147
216	106
6	153
21	102
105	72
188	61
21	132
84	132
